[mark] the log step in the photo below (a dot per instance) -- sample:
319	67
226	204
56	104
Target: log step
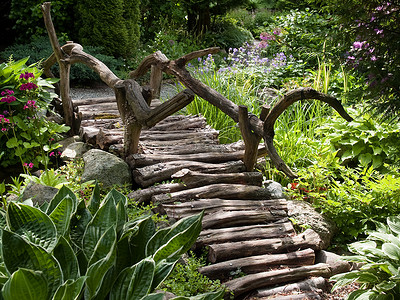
211	206
233	250
258	264
242	233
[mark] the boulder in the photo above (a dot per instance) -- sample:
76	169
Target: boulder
106	168
39	193
64	143
275	189
74	151
305	214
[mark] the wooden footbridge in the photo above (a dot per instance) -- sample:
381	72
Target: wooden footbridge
245	229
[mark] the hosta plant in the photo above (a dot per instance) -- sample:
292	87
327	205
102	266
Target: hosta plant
379	256
70	250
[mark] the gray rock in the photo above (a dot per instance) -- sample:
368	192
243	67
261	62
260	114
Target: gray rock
336	264
105	168
305	214
275	189
74	151
68	141
39	193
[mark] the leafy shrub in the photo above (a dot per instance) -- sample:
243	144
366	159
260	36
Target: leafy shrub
72	250
40	49
379	255
364	141
27	136
186	280
29	18
227	34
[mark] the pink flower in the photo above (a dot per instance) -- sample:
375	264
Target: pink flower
3	129
8	99
51	154
28	86
26	165
26	76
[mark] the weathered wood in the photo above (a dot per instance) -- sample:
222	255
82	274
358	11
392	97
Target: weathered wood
206	134
149	175
195	148
155	82
224	219
192	178
260	263
296	296
89	134
224	191
251	140
251	282
105	139
210	206
92	101
312	284
242	233
196	179
227	251
180	124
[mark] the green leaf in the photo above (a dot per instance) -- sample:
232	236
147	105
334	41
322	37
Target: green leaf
27	285
79	222
377	161
138	242
384	237
154	296
134	282
61	215
65	255
18	253
61	194
70	290
357	149
13	142
104	245
386	286
362	295
32	224
176	240
105	218
361	247
365	159
95	200
392	251
163	269
394	224
97	271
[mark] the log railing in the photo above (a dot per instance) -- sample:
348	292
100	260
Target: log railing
134	101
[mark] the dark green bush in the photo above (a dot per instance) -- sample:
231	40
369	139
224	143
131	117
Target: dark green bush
227	34
40	49
112	25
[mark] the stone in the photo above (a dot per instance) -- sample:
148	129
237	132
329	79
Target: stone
336	264
39	193
304	214
106	168
64	143
74	151
275	189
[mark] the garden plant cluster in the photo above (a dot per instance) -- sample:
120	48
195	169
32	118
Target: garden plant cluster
348	171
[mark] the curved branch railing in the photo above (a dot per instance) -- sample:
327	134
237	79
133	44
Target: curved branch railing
134	102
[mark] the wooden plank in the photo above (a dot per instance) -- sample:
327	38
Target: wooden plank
242	233
260	263
228	251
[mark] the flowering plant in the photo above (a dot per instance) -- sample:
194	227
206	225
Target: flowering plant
26	136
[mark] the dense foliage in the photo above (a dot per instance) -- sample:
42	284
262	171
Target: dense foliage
67	249
27	137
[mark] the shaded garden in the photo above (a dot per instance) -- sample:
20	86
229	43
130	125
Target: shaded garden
347	171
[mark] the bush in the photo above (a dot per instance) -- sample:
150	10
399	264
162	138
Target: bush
379	256
67	249
40	49
27	136
103	24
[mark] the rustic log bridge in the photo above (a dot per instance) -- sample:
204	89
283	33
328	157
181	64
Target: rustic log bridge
134	102
224	191
260	263
242	233
228	251
248	283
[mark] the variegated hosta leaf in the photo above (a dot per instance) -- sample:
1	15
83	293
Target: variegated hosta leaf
32	224
26	284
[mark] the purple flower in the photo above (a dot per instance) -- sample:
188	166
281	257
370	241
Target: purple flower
373	58
358	45
26	76
378	31
28	86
